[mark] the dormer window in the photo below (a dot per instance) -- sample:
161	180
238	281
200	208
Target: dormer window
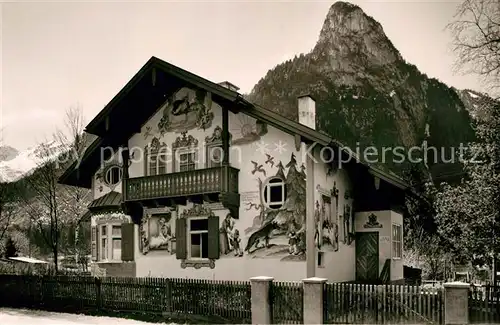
156	158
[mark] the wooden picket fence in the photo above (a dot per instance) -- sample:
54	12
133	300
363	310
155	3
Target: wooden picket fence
346	303
484	304
217	301
287	302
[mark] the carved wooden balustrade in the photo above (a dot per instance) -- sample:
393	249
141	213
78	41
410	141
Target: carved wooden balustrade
193	182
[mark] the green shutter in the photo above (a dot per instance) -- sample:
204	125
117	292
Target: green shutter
128	242
180	239
213	237
94	243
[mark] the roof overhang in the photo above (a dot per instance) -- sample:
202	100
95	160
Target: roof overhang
144	94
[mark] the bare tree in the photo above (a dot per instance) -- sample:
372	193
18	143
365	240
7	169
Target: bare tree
52	206
476	33
6	198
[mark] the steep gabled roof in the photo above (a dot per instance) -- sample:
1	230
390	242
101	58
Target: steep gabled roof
148	90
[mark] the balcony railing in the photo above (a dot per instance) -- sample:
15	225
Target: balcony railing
193	182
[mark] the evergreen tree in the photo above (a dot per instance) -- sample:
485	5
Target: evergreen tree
10	248
293	211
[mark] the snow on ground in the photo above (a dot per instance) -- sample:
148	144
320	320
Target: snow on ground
30	317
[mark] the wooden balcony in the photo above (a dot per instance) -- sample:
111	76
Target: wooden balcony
195	182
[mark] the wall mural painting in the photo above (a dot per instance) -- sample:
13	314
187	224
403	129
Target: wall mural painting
349	232
335	193
148	133
278	228
230	238
326	226
185	110
246	129
156	233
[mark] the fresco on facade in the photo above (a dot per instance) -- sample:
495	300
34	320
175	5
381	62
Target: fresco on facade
230	238
156	232
349	234
279	232
246	129
185	110
326	227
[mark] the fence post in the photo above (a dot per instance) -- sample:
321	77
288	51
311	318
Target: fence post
261	300
456	303
98	293
313	300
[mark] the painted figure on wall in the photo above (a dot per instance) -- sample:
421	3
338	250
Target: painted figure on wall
186	110
247	130
326	227
229	237
279	227
160	234
156	232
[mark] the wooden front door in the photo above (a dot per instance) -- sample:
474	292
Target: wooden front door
367	256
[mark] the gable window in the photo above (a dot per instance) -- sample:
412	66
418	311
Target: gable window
113	175
156	158
274	193
185	153
187	161
157	164
397	241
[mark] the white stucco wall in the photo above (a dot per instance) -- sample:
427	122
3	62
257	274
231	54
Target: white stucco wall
266	151
386	219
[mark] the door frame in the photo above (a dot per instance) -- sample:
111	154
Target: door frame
357	235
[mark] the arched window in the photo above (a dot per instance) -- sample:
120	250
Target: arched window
274	193
113	175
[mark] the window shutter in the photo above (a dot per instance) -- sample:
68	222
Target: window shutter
128	241
94	243
180	239
213	237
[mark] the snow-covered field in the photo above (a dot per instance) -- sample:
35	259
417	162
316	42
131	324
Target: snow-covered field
31	317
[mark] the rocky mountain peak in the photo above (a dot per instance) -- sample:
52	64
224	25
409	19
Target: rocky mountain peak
351	38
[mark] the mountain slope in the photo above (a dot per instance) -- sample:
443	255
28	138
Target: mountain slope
365	91
17	164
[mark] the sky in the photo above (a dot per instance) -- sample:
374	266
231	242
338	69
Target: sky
55	55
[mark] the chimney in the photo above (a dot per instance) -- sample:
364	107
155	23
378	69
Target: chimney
229	85
307	111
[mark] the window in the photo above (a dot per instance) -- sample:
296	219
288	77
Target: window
187	161
113	175
274	193
198	238
397	241
321	259
157	163
215	156
116	238
104	242
110	242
